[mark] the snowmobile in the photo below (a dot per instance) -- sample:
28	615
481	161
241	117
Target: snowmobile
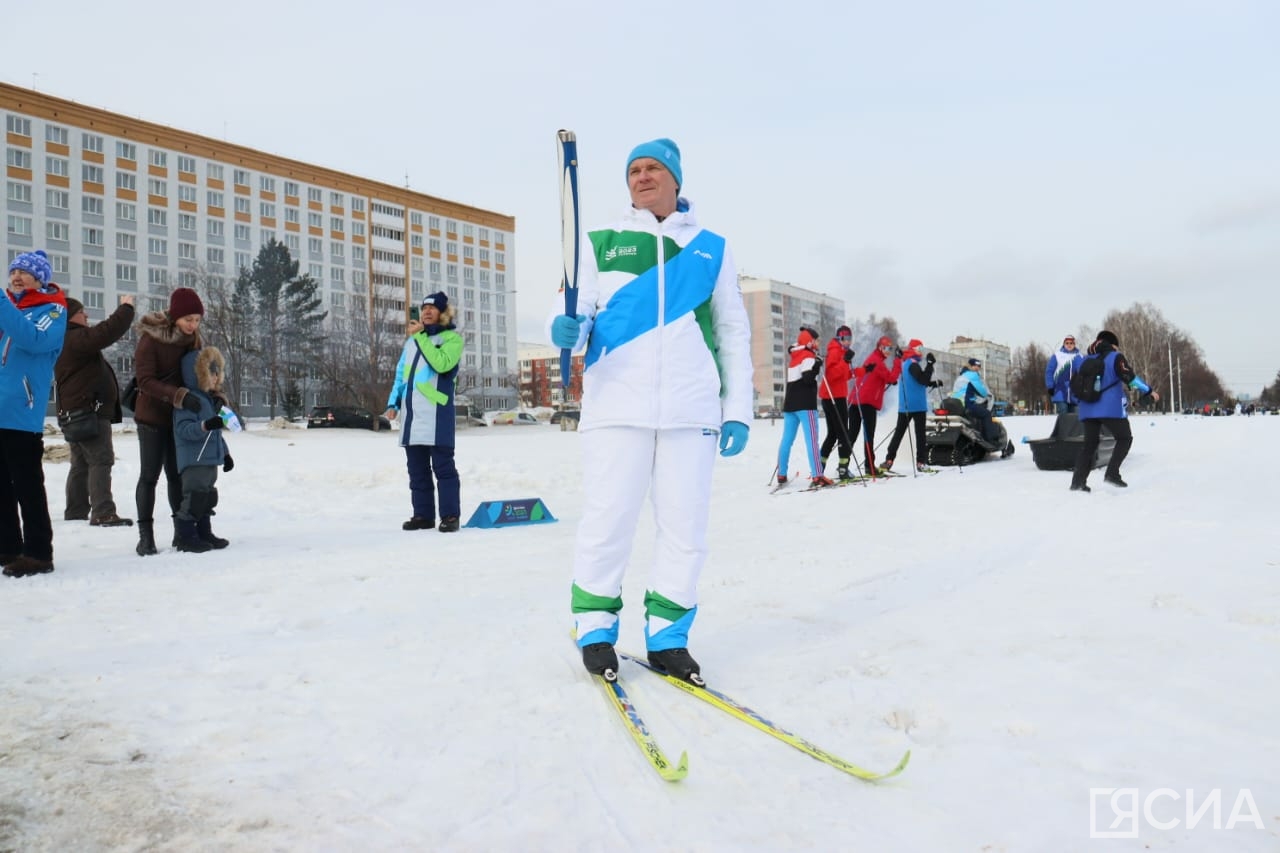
953	438
1058	452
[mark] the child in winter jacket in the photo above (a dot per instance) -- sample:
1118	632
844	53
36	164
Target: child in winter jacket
201	450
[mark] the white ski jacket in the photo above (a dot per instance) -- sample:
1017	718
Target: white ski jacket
668	342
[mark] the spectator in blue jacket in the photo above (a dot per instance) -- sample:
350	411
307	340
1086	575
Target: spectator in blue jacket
33	323
1057	375
200	450
1111	410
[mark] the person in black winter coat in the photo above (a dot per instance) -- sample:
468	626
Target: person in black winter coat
86	382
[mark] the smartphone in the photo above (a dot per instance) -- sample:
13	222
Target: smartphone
415	313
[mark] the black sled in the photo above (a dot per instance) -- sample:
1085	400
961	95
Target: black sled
1058	452
953	438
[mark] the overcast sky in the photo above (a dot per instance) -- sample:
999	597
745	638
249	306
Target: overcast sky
1010	170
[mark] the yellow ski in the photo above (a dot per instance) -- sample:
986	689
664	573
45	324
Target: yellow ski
751	718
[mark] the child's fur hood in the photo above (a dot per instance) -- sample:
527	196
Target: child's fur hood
203	370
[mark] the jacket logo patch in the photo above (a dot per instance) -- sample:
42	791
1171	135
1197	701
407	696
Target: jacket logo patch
701	254
621	252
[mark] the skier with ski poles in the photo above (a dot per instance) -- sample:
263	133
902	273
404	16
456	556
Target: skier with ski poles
913	403
832	393
878	372
800	407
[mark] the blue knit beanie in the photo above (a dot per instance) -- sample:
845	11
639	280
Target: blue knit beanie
36	263
664	151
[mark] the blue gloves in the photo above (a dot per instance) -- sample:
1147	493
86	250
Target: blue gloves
565	330
733	438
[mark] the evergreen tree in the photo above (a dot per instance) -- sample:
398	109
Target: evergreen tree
288	333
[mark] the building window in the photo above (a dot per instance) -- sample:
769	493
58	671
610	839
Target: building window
315	220
187	193
338	250
19	226
158	217
216	228
18	125
415	218
213	171
338	276
158	188
214	199
59	166
19	158
357	229
267	236
433	223
240	178
335	224
127	272
21	192
159	158
242	232
126	211
335	199
291	188
293	243
315	245
57	199
357	254
315	194
187	251
186	222
267	210
266	184
91	268
156	246
357	205
91	142
242	205
126	242
187	164
93	236
126	151
215	256
468	230
484	235
59	231
291	214
126	181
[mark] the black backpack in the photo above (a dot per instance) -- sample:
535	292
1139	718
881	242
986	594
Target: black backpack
1086	383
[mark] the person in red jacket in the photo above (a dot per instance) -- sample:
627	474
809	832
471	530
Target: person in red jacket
832	390
880	370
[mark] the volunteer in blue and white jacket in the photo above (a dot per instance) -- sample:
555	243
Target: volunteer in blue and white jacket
1057	375
667	378
33	323
424	391
1111	410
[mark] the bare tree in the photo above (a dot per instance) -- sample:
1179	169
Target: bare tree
1027	375
361	351
1149	342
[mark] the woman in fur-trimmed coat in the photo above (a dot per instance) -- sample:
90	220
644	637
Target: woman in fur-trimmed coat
164	337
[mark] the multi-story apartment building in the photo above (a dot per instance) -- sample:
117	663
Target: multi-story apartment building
124	206
776	310
540	377
997	363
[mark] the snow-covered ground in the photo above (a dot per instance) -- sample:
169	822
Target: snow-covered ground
330	682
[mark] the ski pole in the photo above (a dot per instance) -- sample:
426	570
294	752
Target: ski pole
844	425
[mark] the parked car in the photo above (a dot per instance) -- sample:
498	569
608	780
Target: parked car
514	419
567	414
346	416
